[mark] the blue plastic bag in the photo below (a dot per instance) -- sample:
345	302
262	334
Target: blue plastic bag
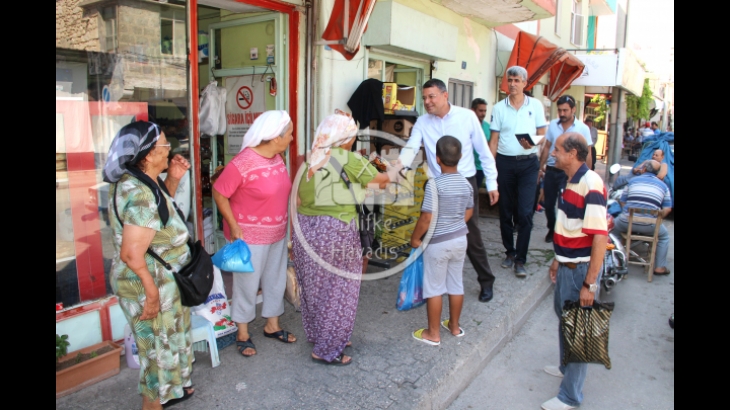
234	257
410	291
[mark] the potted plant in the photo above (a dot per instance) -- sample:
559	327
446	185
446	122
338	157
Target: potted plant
84	367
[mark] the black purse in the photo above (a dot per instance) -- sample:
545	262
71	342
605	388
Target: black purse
194	280
365	218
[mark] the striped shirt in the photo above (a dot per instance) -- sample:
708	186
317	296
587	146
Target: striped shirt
581	216
455	196
645	191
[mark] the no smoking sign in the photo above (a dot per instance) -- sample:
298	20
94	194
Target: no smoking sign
244	97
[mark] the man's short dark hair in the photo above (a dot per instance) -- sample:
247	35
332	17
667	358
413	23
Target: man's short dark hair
435	82
567	99
649	167
589	119
448	149
653	123
577	142
477	102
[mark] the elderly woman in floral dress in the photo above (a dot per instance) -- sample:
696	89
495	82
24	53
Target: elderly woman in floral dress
145	217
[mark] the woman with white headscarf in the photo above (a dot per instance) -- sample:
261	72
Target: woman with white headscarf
252	194
326	244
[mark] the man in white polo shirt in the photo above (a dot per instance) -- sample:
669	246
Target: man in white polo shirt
446	119
518	165
554	178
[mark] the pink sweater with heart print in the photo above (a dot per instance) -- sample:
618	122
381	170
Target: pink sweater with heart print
258	189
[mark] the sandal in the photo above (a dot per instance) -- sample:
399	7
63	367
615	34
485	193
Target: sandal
666	272
248	344
445	325
186	395
337	361
281	335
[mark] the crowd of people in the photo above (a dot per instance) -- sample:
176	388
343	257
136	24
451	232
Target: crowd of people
511	155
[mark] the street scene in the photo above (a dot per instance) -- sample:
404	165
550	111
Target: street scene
365	204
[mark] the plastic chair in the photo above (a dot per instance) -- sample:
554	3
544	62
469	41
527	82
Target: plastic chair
646	216
203	336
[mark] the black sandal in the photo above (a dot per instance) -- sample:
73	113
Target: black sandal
241	346
186	395
337	361
281	335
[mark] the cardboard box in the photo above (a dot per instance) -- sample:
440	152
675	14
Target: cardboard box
400	127
400	98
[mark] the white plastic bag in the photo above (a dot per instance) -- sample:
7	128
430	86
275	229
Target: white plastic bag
216	308
210	109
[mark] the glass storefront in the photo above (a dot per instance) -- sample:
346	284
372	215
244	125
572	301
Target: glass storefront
116	62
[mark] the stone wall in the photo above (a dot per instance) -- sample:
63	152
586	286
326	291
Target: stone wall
76	28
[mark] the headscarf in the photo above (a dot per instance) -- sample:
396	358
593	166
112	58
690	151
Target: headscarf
266	127
334	131
131	145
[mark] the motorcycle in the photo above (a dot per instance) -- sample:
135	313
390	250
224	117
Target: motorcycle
615	266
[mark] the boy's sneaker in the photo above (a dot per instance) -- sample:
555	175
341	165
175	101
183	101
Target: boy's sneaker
508	262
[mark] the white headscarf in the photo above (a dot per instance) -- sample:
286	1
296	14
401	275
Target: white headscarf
267	126
334	131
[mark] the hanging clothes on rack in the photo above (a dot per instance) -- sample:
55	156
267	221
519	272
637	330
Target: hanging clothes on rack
366	102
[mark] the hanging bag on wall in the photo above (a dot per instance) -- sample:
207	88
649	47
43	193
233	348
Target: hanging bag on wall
195	280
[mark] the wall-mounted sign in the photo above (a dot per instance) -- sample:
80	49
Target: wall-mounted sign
599	70
244	103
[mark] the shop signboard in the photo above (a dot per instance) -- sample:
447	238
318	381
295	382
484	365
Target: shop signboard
631	74
599	70
245	101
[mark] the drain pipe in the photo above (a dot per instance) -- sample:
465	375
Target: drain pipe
310	75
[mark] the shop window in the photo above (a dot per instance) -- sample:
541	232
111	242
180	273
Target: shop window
395	70
172	32
97	93
577	23
461	93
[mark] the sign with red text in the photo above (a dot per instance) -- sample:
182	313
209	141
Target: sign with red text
245	101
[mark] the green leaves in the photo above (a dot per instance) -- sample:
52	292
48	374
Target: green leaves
637	108
61	346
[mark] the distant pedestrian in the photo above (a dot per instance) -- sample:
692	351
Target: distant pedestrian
580	243
479	106
452	196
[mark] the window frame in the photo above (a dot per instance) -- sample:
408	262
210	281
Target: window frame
577	21
459	87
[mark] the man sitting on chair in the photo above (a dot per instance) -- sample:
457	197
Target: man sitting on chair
648	192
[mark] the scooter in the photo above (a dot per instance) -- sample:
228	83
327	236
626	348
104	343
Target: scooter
615	266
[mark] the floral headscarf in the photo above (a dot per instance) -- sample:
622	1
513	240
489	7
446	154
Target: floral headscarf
334	131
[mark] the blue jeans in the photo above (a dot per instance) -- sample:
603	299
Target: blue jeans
517	181
569	284
555	179
662	246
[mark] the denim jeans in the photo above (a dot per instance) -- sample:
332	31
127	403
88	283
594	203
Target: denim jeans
662	246
555	179
517	181
569	284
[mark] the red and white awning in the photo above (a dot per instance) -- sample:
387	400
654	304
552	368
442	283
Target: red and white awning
344	34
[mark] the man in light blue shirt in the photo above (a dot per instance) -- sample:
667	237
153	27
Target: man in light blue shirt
461	123
518	165
555	178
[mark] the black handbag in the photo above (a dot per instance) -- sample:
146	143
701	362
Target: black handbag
365	219
194	280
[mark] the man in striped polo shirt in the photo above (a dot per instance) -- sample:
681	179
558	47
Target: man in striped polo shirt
579	243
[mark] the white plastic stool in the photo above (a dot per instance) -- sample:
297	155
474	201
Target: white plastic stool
203	336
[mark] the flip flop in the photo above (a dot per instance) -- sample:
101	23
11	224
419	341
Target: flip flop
337	361
445	325
241	346
418	335
185	396
281	335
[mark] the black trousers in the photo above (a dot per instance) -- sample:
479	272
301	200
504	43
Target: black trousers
593	157
555	179
517	179
475	250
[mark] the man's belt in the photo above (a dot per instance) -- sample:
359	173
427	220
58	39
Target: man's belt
519	157
571	265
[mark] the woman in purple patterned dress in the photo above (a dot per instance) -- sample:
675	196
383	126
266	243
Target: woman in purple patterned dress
326	240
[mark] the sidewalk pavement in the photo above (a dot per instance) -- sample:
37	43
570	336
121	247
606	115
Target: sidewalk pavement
390	370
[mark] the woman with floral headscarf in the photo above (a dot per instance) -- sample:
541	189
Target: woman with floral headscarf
252	194
326	242
145	217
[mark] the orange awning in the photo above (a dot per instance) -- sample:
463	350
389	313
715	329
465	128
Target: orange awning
538	56
344	35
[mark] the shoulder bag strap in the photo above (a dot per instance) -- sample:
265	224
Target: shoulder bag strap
149	250
346	179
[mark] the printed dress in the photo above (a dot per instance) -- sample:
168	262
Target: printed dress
164	343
